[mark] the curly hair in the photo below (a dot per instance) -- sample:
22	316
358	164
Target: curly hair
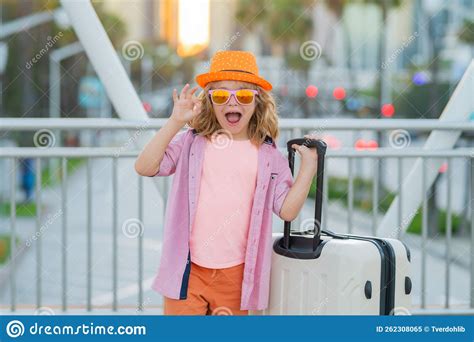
264	120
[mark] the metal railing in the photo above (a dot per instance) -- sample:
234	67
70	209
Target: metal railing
289	128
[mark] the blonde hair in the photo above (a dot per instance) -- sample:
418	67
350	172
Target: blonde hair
264	120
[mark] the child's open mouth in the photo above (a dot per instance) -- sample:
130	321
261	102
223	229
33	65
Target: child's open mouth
233	118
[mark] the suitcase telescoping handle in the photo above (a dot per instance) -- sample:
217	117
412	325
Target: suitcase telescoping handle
321	151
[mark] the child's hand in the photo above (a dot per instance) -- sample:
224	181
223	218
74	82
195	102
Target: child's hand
186	105
309	156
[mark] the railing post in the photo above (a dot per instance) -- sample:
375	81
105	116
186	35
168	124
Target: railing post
13	250
114	233
39	255
424	235
471	162
89	235
350	195
64	199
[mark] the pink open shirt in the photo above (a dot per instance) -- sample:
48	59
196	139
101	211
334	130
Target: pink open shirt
183	158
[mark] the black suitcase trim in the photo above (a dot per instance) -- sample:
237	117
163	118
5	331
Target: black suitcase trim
387	273
407	250
300	248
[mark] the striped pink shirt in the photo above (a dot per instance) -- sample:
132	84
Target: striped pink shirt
220	230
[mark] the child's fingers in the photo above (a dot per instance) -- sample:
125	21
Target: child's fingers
193	91
175	95
304	148
184	91
296	147
300	149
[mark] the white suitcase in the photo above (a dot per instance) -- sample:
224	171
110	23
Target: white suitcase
321	273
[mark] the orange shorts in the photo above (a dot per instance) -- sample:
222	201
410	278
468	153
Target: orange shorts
210	292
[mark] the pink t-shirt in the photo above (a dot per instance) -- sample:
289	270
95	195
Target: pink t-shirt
229	174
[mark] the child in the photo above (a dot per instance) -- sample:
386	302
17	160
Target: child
229	177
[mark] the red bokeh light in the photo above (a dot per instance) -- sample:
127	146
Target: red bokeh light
372	145
332	142
147	107
311	91
359	144
388	110
339	93
443	168
362	144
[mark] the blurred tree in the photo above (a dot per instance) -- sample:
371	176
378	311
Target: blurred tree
416	99
251	12
466	34
287	23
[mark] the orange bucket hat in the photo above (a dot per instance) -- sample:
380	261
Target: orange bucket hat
233	65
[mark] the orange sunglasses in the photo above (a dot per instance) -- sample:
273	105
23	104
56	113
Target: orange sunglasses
243	96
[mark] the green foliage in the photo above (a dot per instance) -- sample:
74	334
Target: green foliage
250	12
416	224
286	23
466	34
22	209
5	247
415	102
47	178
